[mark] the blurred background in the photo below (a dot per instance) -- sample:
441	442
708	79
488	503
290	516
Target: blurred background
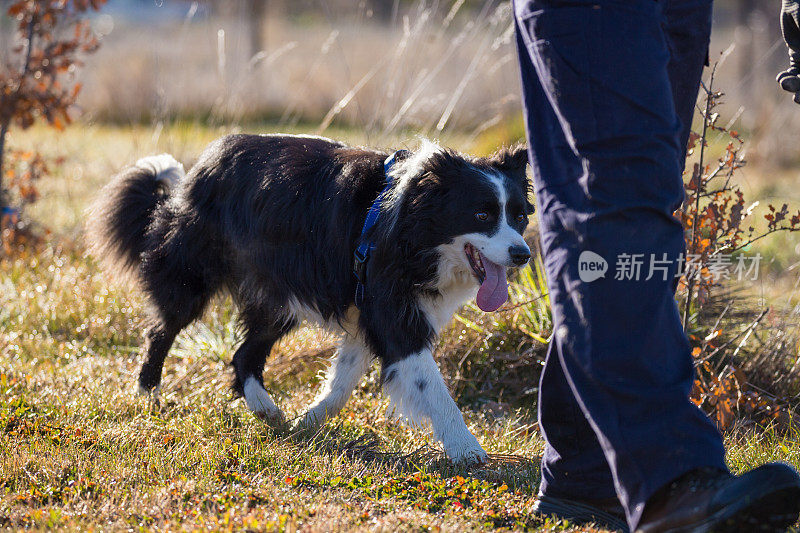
381	66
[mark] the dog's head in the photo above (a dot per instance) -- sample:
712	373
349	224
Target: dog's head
473	212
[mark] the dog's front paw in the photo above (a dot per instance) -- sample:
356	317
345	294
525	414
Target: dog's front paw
273	419
465	450
313	419
469	457
304	426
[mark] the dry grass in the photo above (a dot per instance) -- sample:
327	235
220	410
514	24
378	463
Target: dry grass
409	73
423	71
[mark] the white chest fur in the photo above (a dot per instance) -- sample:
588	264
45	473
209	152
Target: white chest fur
439	310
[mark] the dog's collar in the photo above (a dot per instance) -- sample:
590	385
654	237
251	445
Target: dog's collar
365	246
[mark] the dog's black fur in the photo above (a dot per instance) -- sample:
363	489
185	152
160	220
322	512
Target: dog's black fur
275	218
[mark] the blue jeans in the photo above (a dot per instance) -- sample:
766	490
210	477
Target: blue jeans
609	88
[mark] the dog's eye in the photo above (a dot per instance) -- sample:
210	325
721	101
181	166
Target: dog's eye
482	216
522	218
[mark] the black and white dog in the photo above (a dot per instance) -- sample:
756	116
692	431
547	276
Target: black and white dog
275	219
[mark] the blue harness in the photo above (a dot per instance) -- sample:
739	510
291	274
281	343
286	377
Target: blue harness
365	246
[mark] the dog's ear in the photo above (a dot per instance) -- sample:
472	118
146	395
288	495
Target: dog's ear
441	164
513	161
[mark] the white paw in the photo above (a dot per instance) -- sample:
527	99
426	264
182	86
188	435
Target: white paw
260	403
465	449
314	418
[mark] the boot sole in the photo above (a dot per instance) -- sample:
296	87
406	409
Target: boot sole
772	513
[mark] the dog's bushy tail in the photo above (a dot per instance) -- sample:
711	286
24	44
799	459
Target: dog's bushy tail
117	222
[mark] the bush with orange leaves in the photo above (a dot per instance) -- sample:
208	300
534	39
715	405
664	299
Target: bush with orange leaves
737	383
36	84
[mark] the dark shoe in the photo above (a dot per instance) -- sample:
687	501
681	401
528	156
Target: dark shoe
607	513
765	499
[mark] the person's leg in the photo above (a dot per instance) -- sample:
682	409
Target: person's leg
576	482
573	463
572	454
688	29
606	156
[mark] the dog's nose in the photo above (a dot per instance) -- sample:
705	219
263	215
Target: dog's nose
519	254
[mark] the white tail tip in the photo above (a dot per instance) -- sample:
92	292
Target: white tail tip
166	168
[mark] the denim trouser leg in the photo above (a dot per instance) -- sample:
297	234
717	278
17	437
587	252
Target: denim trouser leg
573	463
607	87
688	29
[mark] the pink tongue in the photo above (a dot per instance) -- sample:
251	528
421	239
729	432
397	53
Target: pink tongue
494	289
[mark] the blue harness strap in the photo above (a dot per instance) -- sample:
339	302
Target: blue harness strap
365	246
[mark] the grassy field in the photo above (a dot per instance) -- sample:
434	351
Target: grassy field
80	451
